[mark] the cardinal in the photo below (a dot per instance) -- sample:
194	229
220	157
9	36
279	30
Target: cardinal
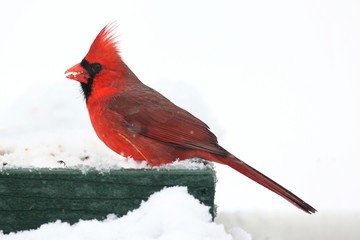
136	121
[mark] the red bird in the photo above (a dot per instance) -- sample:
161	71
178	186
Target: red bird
136	121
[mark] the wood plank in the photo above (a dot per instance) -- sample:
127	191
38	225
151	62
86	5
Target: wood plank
31	197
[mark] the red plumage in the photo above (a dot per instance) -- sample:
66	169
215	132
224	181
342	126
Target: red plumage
136	121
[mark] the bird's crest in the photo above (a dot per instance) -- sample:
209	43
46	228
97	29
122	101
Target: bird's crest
104	47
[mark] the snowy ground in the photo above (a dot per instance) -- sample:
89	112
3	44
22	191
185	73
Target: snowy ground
277	81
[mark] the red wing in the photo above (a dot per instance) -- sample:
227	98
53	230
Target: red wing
152	115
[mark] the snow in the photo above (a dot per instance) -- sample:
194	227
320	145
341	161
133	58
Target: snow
169	214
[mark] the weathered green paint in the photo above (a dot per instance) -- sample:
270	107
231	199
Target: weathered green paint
30	197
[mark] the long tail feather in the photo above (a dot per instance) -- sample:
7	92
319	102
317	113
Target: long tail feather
263	180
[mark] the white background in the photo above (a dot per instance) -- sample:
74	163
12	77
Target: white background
277	81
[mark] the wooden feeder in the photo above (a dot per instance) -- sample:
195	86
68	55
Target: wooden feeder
31	197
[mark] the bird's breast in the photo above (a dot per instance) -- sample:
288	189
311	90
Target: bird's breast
112	130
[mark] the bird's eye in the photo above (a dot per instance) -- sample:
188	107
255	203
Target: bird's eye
96	67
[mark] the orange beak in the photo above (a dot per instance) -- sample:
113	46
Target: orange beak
77	73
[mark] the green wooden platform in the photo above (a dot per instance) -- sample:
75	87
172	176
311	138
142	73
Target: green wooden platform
30	197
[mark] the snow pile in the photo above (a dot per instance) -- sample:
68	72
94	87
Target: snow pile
169	214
